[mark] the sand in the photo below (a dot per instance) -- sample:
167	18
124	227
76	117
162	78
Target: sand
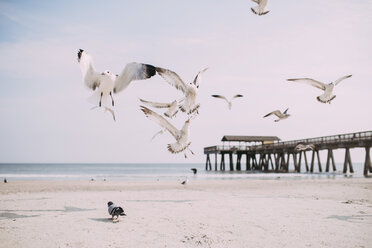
223	213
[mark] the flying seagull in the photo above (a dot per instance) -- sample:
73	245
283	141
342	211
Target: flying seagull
172	107
228	102
279	114
106	82
327	96
260	8
115	211
182	136
189	90
303	147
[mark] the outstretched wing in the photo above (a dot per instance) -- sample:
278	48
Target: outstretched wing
309	81
133	71
198	76
91	78
285	112
236	96
222	97
156	104
276	112
256	1
341	78
172	78
161	121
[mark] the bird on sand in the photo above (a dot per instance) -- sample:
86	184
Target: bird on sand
229	103
327	96
190	90
279	114
304	147
260	8
181	136
172	107
115	211
108	83
194	170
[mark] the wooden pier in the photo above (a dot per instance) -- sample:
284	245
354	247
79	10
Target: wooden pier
268	153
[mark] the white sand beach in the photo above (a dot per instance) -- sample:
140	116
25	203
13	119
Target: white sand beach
224	213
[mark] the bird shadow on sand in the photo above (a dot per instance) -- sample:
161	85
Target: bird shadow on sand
106	220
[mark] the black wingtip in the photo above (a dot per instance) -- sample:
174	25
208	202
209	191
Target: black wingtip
79	54
150	70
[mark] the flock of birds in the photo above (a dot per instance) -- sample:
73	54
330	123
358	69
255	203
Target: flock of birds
106	84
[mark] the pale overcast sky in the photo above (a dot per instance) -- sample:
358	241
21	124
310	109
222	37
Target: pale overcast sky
45	116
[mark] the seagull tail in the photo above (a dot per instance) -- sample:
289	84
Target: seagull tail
323	99
177	147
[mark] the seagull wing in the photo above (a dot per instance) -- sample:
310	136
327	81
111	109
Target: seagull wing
342	78
285	112
256	1
276	112
222	97
91	78
236	96
156	104
161	121
172	78
133	71
309	81
198	76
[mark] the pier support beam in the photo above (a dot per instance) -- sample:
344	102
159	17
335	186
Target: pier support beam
215	161
238	162
367	163
248	161
348	161
312	161
231	161
208	165
222	165
329	158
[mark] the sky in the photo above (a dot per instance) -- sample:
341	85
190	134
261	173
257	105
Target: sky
46	118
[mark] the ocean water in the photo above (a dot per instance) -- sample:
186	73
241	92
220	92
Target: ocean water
138	172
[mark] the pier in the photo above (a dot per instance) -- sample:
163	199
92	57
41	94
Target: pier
268	153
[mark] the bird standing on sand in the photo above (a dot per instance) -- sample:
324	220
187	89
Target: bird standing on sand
172	107
327	96
194	170
229	103
182	136
303	147
115	211
190	90
279	114
260	8
106	82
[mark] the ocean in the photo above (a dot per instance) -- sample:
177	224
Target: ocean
138	172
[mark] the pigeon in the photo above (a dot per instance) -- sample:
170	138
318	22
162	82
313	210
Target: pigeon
279	114
260	9
189	90
173	107
115	211
228	102
106	82
194	170
327	96
181	136
303	147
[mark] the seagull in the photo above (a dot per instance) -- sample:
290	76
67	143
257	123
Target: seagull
185	182
228	102
107	109
106	82
189	90
302	147
260	9
181	136
279	114
327	96
194	170
172	107
115	211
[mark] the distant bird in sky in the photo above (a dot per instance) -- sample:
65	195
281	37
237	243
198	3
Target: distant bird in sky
194	170
279	114
106	82
181	136
229	103
189	90
115	211
107	109
327	96
303	147
260	8
172	107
